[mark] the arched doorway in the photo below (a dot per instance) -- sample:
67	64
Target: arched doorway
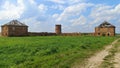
108	34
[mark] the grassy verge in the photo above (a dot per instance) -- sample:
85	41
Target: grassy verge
48	51
109	59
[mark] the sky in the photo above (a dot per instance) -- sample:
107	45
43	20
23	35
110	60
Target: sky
73	15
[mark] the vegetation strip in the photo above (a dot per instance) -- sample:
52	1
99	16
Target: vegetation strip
109	60
97	59
48	52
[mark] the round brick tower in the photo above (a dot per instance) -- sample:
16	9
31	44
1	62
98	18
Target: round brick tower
58	29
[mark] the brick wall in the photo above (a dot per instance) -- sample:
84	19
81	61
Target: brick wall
41	34
71	34
14	31
105	31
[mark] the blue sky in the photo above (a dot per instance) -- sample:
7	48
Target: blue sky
73	15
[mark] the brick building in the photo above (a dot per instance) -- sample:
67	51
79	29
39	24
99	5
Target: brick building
14	28
105	29
58	29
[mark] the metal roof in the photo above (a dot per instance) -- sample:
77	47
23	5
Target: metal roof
14	23
106	24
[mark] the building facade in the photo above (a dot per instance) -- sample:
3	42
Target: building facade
58	29
14	28
105	29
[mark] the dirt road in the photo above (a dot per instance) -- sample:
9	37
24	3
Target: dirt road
117	57
96	60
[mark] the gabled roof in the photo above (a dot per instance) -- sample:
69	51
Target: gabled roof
105	24
14	23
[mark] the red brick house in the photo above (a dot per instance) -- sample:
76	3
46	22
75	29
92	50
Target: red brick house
14	28
105	29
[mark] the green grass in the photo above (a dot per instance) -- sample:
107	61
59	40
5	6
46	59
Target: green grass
48	51
109	59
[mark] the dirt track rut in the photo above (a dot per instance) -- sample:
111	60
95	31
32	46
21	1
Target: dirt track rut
96	60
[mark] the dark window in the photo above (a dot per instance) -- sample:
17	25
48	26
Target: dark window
98	33
108	34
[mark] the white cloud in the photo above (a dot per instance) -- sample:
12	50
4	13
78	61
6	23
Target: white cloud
33	27
42	8
58	1
55	16
11	11
74	1
80	21
32	1
67	1
72	14
98	13
36	25
104	12
57	7
72	11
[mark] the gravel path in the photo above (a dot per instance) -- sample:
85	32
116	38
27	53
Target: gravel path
96	60
117	58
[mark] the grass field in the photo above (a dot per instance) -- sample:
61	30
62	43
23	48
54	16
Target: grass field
48	51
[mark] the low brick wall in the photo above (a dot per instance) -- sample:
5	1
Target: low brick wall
71	34
63	34
87	34
41	34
